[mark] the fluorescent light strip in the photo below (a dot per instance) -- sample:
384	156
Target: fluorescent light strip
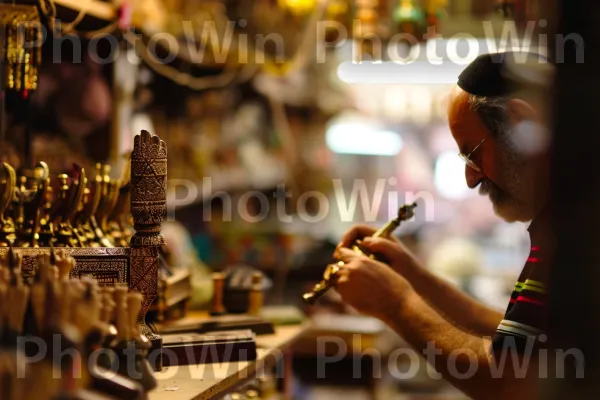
390	72
438	65
363	140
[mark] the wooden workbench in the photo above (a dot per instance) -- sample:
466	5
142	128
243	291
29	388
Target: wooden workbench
206	381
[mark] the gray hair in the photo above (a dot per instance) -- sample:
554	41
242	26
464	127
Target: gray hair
493	113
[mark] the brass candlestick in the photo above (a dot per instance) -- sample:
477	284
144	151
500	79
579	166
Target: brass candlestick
330	276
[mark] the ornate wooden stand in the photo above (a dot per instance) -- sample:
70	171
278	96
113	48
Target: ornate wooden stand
136	265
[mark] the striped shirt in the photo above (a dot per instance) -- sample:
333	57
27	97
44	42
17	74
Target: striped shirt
525	322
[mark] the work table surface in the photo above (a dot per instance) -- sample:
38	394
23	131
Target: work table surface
204	381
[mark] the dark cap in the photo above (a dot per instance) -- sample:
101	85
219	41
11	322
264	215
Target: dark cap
486	75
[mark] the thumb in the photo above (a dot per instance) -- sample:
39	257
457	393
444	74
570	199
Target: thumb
385	247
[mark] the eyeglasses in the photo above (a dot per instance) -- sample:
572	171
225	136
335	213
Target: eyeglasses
467	158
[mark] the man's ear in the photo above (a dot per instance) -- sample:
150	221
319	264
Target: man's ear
520	110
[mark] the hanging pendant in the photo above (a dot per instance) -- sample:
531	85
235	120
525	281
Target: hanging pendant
21	47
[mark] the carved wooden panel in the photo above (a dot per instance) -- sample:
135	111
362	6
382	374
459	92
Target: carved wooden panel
110	272
97	262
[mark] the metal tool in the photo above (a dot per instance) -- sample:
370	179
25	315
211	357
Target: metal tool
405	212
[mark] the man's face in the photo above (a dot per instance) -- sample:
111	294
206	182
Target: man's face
507	177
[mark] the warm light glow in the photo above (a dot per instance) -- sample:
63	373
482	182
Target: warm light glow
299	7
349	138
450	176
407	12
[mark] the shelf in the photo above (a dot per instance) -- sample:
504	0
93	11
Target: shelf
94	8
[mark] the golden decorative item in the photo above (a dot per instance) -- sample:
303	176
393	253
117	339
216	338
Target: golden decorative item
30	196
68	210
8	183
22	46
330	276
70	198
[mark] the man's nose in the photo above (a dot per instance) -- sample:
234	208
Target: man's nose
473	177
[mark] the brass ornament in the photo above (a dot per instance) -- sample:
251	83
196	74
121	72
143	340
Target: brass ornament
8	183
22	46
330	276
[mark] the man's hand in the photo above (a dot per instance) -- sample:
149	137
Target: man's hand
456	306
399	257
370	286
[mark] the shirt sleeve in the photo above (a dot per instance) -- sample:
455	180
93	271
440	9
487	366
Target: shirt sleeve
525	323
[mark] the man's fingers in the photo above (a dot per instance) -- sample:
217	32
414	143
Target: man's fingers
346	255
357	232
382	246
342	276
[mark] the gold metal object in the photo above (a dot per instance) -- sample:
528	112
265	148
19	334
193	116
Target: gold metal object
22	46
28	203
330	276
67	210
98	201
71	195
8	185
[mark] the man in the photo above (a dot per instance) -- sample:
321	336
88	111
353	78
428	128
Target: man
477	349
